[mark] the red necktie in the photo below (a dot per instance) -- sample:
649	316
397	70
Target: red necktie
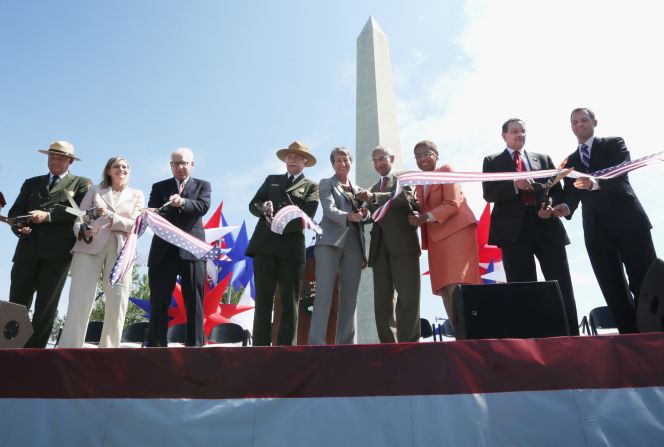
419	191
383	184
528	197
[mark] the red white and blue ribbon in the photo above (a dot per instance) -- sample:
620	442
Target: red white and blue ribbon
415	178
289	213
128	252
168	232
382	210
627	166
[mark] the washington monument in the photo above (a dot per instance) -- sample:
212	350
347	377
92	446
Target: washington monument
376	124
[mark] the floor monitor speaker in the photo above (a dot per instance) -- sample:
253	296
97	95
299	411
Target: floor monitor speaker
650	307
512	310
15	327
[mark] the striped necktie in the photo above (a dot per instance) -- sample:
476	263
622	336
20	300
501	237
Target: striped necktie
585	156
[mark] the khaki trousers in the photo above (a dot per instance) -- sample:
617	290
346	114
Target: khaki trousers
86	271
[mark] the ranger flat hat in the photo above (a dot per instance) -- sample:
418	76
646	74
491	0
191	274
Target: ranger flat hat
64	148
300	149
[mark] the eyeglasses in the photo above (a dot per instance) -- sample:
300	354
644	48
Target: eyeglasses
426	154
179	164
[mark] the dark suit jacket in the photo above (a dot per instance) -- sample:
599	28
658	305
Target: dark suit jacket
188	217
399	236
50	240
290	244
509	210
615	204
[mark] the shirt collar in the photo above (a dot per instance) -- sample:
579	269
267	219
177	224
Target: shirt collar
588	143
177	182
61	176
522	153
523	156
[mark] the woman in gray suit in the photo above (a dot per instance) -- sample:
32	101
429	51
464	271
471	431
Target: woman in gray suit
340	249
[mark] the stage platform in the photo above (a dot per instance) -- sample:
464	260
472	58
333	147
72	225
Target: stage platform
567	391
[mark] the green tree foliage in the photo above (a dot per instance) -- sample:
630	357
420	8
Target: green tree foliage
232	295
57	327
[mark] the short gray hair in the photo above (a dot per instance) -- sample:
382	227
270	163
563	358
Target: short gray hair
185	152
340	151
386	150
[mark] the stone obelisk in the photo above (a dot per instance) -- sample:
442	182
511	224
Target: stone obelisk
376	124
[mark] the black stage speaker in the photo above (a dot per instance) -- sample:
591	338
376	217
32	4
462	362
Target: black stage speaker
15	327
513	310
650	307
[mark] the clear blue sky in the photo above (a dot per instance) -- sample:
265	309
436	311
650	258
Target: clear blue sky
235	81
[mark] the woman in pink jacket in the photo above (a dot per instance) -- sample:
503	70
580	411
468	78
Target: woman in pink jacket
116	206
448	229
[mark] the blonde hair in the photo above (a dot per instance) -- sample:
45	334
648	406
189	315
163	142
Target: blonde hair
106	181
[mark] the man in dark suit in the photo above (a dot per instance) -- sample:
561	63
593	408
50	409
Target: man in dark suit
615	225
42	257
188	200
521	225
394	254
279	258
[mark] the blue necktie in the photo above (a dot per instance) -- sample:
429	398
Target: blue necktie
585	156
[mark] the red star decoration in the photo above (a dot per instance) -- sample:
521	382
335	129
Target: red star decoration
214	312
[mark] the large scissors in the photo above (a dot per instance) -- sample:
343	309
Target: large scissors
76	211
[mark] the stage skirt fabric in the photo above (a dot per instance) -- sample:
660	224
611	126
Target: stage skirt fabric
587	391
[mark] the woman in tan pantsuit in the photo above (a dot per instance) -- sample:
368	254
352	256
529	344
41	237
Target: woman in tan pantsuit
448	229
117	207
